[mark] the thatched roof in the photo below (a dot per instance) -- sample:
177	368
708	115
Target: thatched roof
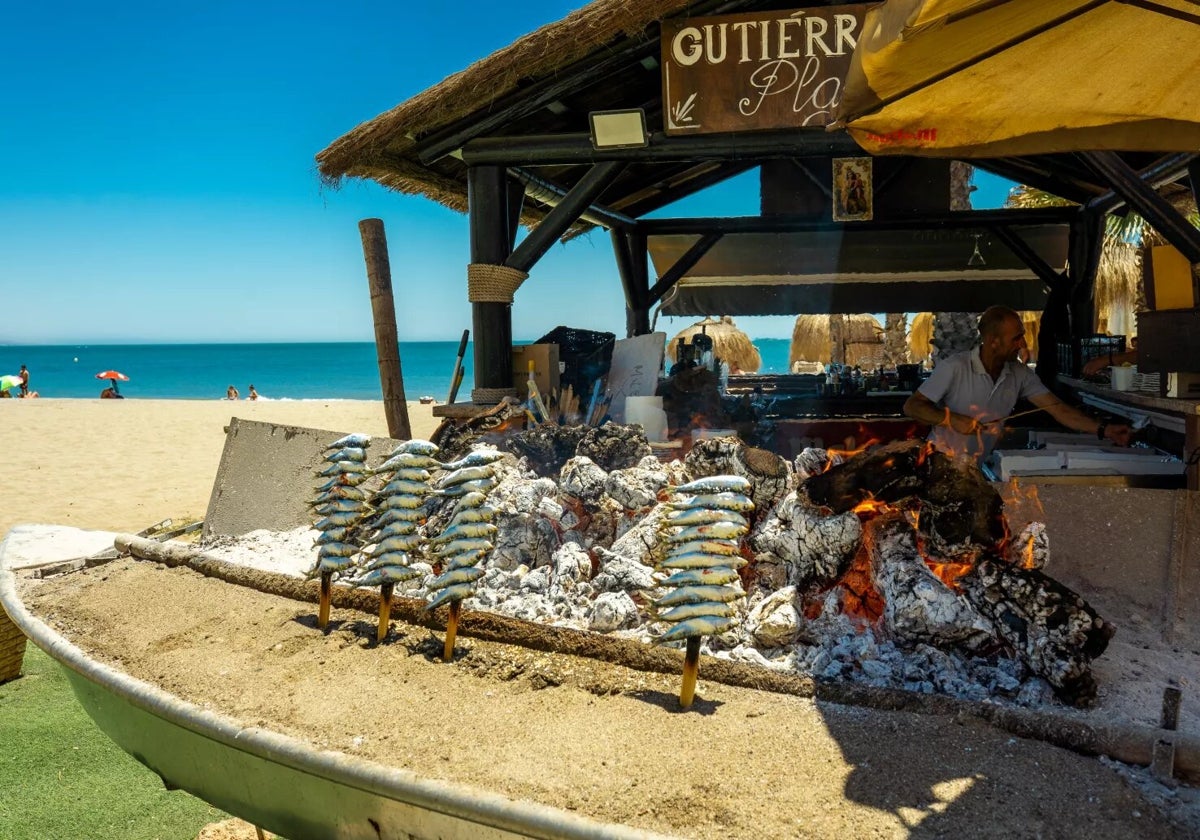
730	344
382	148
822	338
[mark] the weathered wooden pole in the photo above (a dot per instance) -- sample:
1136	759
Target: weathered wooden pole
383	310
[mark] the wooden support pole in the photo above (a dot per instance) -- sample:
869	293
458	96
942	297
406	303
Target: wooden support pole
326	598
491	243
383	310
691	670
451	630
385	610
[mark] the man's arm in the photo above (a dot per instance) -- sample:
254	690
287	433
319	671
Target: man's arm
1073	418
922	409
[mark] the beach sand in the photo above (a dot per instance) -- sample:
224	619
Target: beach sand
125	465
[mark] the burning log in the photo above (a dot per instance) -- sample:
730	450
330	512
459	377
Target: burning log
613	446
1054	631
919	606
816	548
547	447
455	438
959	508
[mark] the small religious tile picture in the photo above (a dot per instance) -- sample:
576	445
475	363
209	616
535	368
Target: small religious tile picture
852	191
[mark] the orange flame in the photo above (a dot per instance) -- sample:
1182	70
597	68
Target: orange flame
870	507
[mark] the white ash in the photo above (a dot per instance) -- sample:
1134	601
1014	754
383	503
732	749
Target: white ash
550	539
918	605
1031	548
814	547
636	488
582	478
814	461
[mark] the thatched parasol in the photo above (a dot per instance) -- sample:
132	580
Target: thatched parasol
730	344
824	338
920	335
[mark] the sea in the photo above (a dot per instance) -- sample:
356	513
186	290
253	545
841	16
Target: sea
309	371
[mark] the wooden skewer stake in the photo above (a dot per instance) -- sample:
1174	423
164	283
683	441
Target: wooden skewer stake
326	593
691	670
385	610
451	630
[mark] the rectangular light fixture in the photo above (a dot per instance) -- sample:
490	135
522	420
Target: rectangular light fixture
619	129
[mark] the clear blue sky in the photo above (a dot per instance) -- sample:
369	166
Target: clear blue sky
160	183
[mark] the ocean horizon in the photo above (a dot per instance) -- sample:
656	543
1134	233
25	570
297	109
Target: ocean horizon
285	371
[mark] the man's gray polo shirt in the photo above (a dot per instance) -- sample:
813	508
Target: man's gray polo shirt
962	384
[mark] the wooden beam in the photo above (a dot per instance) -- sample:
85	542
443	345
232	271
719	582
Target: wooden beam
566	149
1165	170
683	265
550	194
1149	204
383	311
1026	254
563	215
1034	175
798	224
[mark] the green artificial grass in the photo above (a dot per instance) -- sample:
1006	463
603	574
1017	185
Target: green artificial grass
61	778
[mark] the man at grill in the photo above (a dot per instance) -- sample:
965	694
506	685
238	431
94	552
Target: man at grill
969	395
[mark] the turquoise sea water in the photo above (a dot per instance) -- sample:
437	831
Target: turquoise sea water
278	371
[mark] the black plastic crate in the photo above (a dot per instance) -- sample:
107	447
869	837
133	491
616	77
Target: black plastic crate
1074	353
585	356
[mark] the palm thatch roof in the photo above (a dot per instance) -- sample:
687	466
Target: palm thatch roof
852	339
383	149
730	344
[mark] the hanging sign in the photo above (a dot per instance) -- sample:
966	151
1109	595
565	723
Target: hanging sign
756	71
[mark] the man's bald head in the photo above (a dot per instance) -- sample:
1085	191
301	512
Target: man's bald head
993	320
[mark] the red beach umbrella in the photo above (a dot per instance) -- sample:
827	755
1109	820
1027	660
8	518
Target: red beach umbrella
114	375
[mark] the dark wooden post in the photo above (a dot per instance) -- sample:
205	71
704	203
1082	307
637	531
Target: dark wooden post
383	309
491	244
635	282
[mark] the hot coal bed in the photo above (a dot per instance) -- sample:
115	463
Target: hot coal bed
893	567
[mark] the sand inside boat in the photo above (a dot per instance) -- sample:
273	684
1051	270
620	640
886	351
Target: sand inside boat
589	737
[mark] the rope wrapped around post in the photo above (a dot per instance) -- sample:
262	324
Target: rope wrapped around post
493	283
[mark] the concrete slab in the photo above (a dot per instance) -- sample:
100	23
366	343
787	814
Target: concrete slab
266	476
1132	552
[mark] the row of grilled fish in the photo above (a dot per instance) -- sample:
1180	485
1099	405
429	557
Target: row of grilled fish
702	535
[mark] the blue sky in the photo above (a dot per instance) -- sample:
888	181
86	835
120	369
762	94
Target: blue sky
160	182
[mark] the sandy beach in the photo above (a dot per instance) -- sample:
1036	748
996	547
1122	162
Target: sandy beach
123	465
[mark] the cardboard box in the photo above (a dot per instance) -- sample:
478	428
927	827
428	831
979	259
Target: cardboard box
545	366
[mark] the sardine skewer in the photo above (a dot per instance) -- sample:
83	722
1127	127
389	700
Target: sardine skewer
385	610
691	670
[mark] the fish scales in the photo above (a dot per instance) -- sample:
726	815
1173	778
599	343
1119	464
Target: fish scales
696	610
464	474
699	626
692	594
342	467
703	516
724	501
451	593
717	530
701	560
386	574
703	576
347	453
416	446
716	484
356	440
453	577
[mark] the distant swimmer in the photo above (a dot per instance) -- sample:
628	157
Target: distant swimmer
253	395
231	393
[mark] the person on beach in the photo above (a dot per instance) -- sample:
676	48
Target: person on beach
24	374
231	393
252	395
110	393
969	395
